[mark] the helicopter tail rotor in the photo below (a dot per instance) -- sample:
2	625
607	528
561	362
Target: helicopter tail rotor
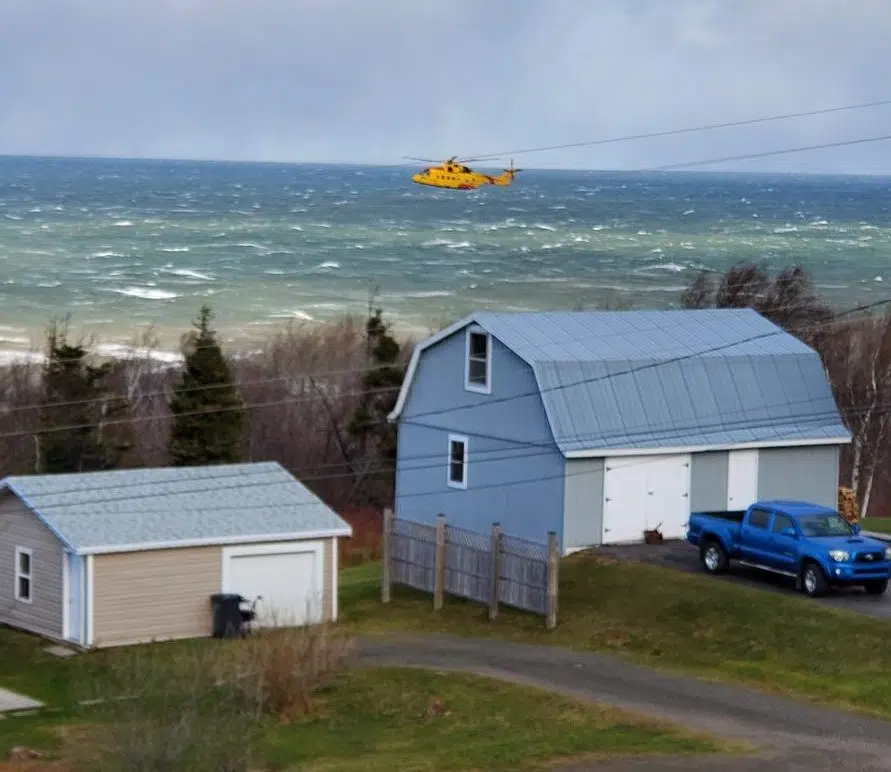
512	169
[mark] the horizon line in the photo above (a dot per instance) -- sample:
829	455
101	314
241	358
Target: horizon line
366	164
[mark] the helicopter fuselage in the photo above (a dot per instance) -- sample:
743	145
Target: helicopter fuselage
458	177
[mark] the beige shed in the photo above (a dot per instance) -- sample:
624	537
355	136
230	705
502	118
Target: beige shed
130	556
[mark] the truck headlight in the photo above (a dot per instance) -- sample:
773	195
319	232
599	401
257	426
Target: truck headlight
839	556
887	553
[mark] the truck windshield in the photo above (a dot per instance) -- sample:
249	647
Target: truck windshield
825	525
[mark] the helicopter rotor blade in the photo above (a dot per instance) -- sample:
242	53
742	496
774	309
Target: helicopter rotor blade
425	160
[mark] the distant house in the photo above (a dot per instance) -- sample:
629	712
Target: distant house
599	425
110	558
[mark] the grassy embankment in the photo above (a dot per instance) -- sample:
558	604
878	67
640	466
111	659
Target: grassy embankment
669	619
877	524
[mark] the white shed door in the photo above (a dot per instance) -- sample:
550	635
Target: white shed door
624	501
288	583
642	492
742	478
668	495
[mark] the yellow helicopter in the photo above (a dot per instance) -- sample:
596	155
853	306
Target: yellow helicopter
454	174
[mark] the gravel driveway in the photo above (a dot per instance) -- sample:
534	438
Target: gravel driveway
789	735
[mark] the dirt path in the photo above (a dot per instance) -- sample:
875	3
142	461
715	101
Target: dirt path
791	735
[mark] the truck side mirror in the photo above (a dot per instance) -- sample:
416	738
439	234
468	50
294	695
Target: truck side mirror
856	528
790	532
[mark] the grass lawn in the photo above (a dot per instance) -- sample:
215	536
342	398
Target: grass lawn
877	524
381	719
670	619
368	719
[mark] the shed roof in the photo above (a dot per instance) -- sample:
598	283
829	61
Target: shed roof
138	509
664	379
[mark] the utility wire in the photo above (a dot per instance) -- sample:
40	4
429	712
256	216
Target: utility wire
766	153
295	378
494	400
653	365
688	130
213	484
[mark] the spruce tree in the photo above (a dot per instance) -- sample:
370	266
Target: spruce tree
83	424
209	418
380	386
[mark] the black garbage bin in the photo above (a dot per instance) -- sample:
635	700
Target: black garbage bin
227	619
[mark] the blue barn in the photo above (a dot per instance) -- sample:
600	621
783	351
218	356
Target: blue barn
600	425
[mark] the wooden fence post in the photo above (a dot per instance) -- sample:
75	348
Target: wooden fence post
495	553
385	548
439	572
553	567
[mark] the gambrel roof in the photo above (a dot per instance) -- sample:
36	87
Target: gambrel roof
664	379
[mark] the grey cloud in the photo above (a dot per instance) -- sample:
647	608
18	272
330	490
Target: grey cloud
365	81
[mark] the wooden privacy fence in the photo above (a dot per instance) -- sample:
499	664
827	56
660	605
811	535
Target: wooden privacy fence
489	568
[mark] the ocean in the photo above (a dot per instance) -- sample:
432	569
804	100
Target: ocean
122	244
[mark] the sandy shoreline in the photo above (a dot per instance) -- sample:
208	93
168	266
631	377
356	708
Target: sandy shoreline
20	343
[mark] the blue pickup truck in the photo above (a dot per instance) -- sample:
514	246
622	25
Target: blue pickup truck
815	545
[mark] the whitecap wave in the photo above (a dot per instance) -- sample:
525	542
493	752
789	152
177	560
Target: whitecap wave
146	293
188	273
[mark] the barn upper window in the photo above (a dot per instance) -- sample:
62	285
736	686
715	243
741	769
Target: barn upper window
478	368
457	461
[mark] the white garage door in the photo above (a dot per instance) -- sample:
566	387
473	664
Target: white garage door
643	492
288	578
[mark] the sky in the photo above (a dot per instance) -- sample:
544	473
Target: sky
372	81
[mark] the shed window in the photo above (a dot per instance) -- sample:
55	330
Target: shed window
457	461
23	574
479	364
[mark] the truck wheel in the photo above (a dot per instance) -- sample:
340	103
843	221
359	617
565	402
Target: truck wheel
813	581
713	557
877	587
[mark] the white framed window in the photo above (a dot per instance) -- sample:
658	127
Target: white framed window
24	574
457	461
478	362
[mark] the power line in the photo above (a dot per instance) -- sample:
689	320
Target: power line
670	132
543	447
654	365
495	400
215	486
766	153
547	447
208	411
261	381
209	387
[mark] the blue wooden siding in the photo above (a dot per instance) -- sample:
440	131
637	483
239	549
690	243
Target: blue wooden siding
808	473
514	469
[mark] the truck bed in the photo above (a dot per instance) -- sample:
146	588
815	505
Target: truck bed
733	515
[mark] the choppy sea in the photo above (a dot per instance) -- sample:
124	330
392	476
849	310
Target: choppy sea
121	244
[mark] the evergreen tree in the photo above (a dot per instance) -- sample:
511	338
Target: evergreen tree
380	385
83	423
209	416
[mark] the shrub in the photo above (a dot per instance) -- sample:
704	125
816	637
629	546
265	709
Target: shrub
279	670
